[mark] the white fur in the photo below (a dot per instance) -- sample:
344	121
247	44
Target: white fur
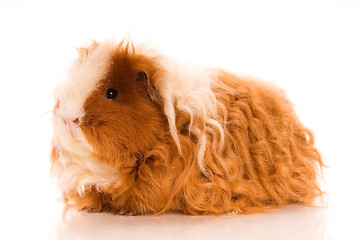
83	78
188	88
82	171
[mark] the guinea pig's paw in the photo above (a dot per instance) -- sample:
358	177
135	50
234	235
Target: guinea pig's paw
128	213
90	209
96	208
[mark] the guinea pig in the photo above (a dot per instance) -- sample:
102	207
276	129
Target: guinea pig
136	132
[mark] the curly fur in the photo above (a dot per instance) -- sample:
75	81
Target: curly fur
196	141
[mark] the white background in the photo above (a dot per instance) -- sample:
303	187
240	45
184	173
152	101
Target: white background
311	48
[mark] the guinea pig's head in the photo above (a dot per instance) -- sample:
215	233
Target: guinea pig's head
108	106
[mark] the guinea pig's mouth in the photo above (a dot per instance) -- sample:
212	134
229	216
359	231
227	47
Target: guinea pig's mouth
72	125
67	128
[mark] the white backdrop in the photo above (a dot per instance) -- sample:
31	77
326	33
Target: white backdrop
311	48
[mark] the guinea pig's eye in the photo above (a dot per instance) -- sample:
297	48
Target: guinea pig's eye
111	94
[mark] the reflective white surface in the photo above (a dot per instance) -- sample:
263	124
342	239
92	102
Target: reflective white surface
300	223
310	48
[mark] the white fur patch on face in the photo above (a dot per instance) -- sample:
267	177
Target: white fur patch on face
83	78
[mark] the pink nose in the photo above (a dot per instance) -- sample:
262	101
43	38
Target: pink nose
76	121
72	124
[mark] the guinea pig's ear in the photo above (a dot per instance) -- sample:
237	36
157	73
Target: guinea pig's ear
143	80
142	76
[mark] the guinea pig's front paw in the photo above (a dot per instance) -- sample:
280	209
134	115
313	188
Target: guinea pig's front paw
90	201
90	209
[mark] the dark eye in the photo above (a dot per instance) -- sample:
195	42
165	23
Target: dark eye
112	94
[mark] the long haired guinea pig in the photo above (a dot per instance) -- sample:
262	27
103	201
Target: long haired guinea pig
137	133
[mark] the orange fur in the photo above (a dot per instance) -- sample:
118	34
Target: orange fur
268	157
